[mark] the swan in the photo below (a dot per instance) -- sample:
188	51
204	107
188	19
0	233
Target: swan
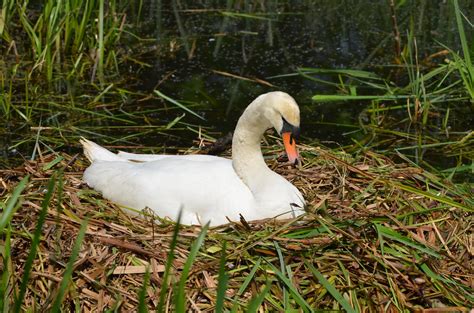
207	188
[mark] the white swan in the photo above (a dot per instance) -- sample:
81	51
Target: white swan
207	188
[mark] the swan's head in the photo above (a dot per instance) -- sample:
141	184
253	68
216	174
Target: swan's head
283	113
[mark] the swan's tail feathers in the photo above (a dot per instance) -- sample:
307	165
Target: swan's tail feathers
94	152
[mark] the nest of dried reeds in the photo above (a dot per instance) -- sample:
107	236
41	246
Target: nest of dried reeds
378	236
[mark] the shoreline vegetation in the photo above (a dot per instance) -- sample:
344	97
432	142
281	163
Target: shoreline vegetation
390	212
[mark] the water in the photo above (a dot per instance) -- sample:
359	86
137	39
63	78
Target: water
219	61
349	34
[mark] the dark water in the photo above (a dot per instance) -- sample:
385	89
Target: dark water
317	34
196	47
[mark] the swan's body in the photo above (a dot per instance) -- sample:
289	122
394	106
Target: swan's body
206	188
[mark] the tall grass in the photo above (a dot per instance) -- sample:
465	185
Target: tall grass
12	205
69	270
63	32
430	91
34	244
464	63
314	262
8	209
168	267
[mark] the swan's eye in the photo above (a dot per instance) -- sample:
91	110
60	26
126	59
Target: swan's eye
289	128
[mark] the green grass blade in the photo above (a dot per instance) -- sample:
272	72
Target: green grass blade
462	35
433	196
391	234
297	296
465	63
331	98
103	93
11	206
181	28
34	244
222	29
142	307
178	104
348	72
283	271
169	263
244	15
175	121
53	163
245	284
101	42
6	285
222	282
63	287
256	302
180	296
330	288
249	278
352	291
92	113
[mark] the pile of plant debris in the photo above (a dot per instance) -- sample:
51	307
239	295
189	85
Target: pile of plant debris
378	236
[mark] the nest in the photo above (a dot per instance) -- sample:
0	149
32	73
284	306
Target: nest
378	236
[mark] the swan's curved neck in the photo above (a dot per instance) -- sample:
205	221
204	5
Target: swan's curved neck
247	158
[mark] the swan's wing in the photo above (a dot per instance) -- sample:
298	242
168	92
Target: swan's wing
204	190
94	152
156	157
141	157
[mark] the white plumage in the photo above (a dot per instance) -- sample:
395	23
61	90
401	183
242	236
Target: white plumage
206	188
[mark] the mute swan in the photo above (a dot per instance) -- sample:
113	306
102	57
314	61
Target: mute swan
207	188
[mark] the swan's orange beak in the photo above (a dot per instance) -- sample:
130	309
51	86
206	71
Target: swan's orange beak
290	147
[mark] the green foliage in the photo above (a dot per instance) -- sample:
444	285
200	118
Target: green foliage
331	289
464	64
222	281
168	266
63	30
392	106
67	276
142	305
300	266
12	205
34	244
180	300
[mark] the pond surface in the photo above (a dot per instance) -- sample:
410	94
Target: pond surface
276	41
215	59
